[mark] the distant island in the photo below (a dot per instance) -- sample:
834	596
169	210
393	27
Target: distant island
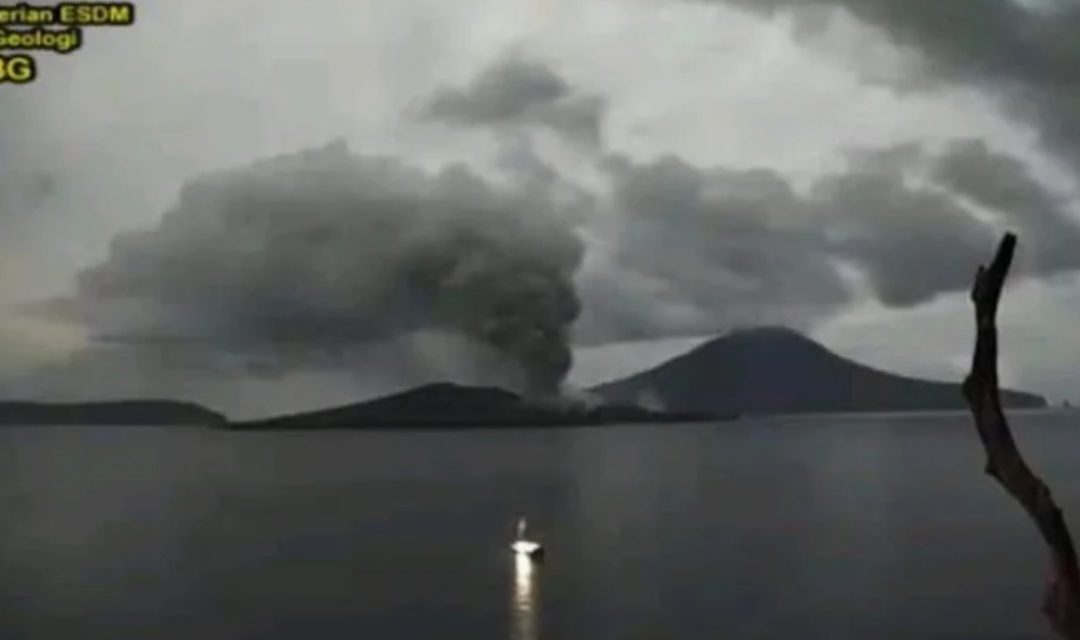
778	371
117	413
451	405
768	371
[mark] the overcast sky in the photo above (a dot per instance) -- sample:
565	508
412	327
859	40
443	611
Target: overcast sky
431	185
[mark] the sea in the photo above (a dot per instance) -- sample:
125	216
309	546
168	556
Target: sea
869	527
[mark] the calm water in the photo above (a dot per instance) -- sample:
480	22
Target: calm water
870	528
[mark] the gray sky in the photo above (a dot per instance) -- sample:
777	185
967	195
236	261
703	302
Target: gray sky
686	166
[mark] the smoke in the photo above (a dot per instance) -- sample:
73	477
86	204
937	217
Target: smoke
650	399
518	91
306	255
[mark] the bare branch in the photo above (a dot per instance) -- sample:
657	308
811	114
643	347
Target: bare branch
1061	603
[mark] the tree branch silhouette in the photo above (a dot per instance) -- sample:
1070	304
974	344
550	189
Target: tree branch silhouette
1061	602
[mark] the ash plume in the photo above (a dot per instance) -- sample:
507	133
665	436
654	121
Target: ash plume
306	255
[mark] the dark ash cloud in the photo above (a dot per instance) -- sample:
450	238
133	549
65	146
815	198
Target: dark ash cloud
295	261
518	91
304	256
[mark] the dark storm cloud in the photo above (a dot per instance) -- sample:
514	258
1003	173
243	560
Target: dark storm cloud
729	238
1031	58
518	91
320	250
698	250
911	242
915	221
1004	185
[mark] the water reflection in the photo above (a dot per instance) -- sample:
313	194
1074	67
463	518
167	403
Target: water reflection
525	608
844	543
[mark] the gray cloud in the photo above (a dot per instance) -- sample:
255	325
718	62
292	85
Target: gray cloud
697	250
300	256
1029	57
518	91
296	261
738	246
911	242
915	221
1004	185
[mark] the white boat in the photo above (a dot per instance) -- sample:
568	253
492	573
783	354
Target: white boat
523	546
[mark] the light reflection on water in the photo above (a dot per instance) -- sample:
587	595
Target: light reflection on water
812	528
525	608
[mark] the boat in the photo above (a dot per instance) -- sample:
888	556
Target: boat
525	547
